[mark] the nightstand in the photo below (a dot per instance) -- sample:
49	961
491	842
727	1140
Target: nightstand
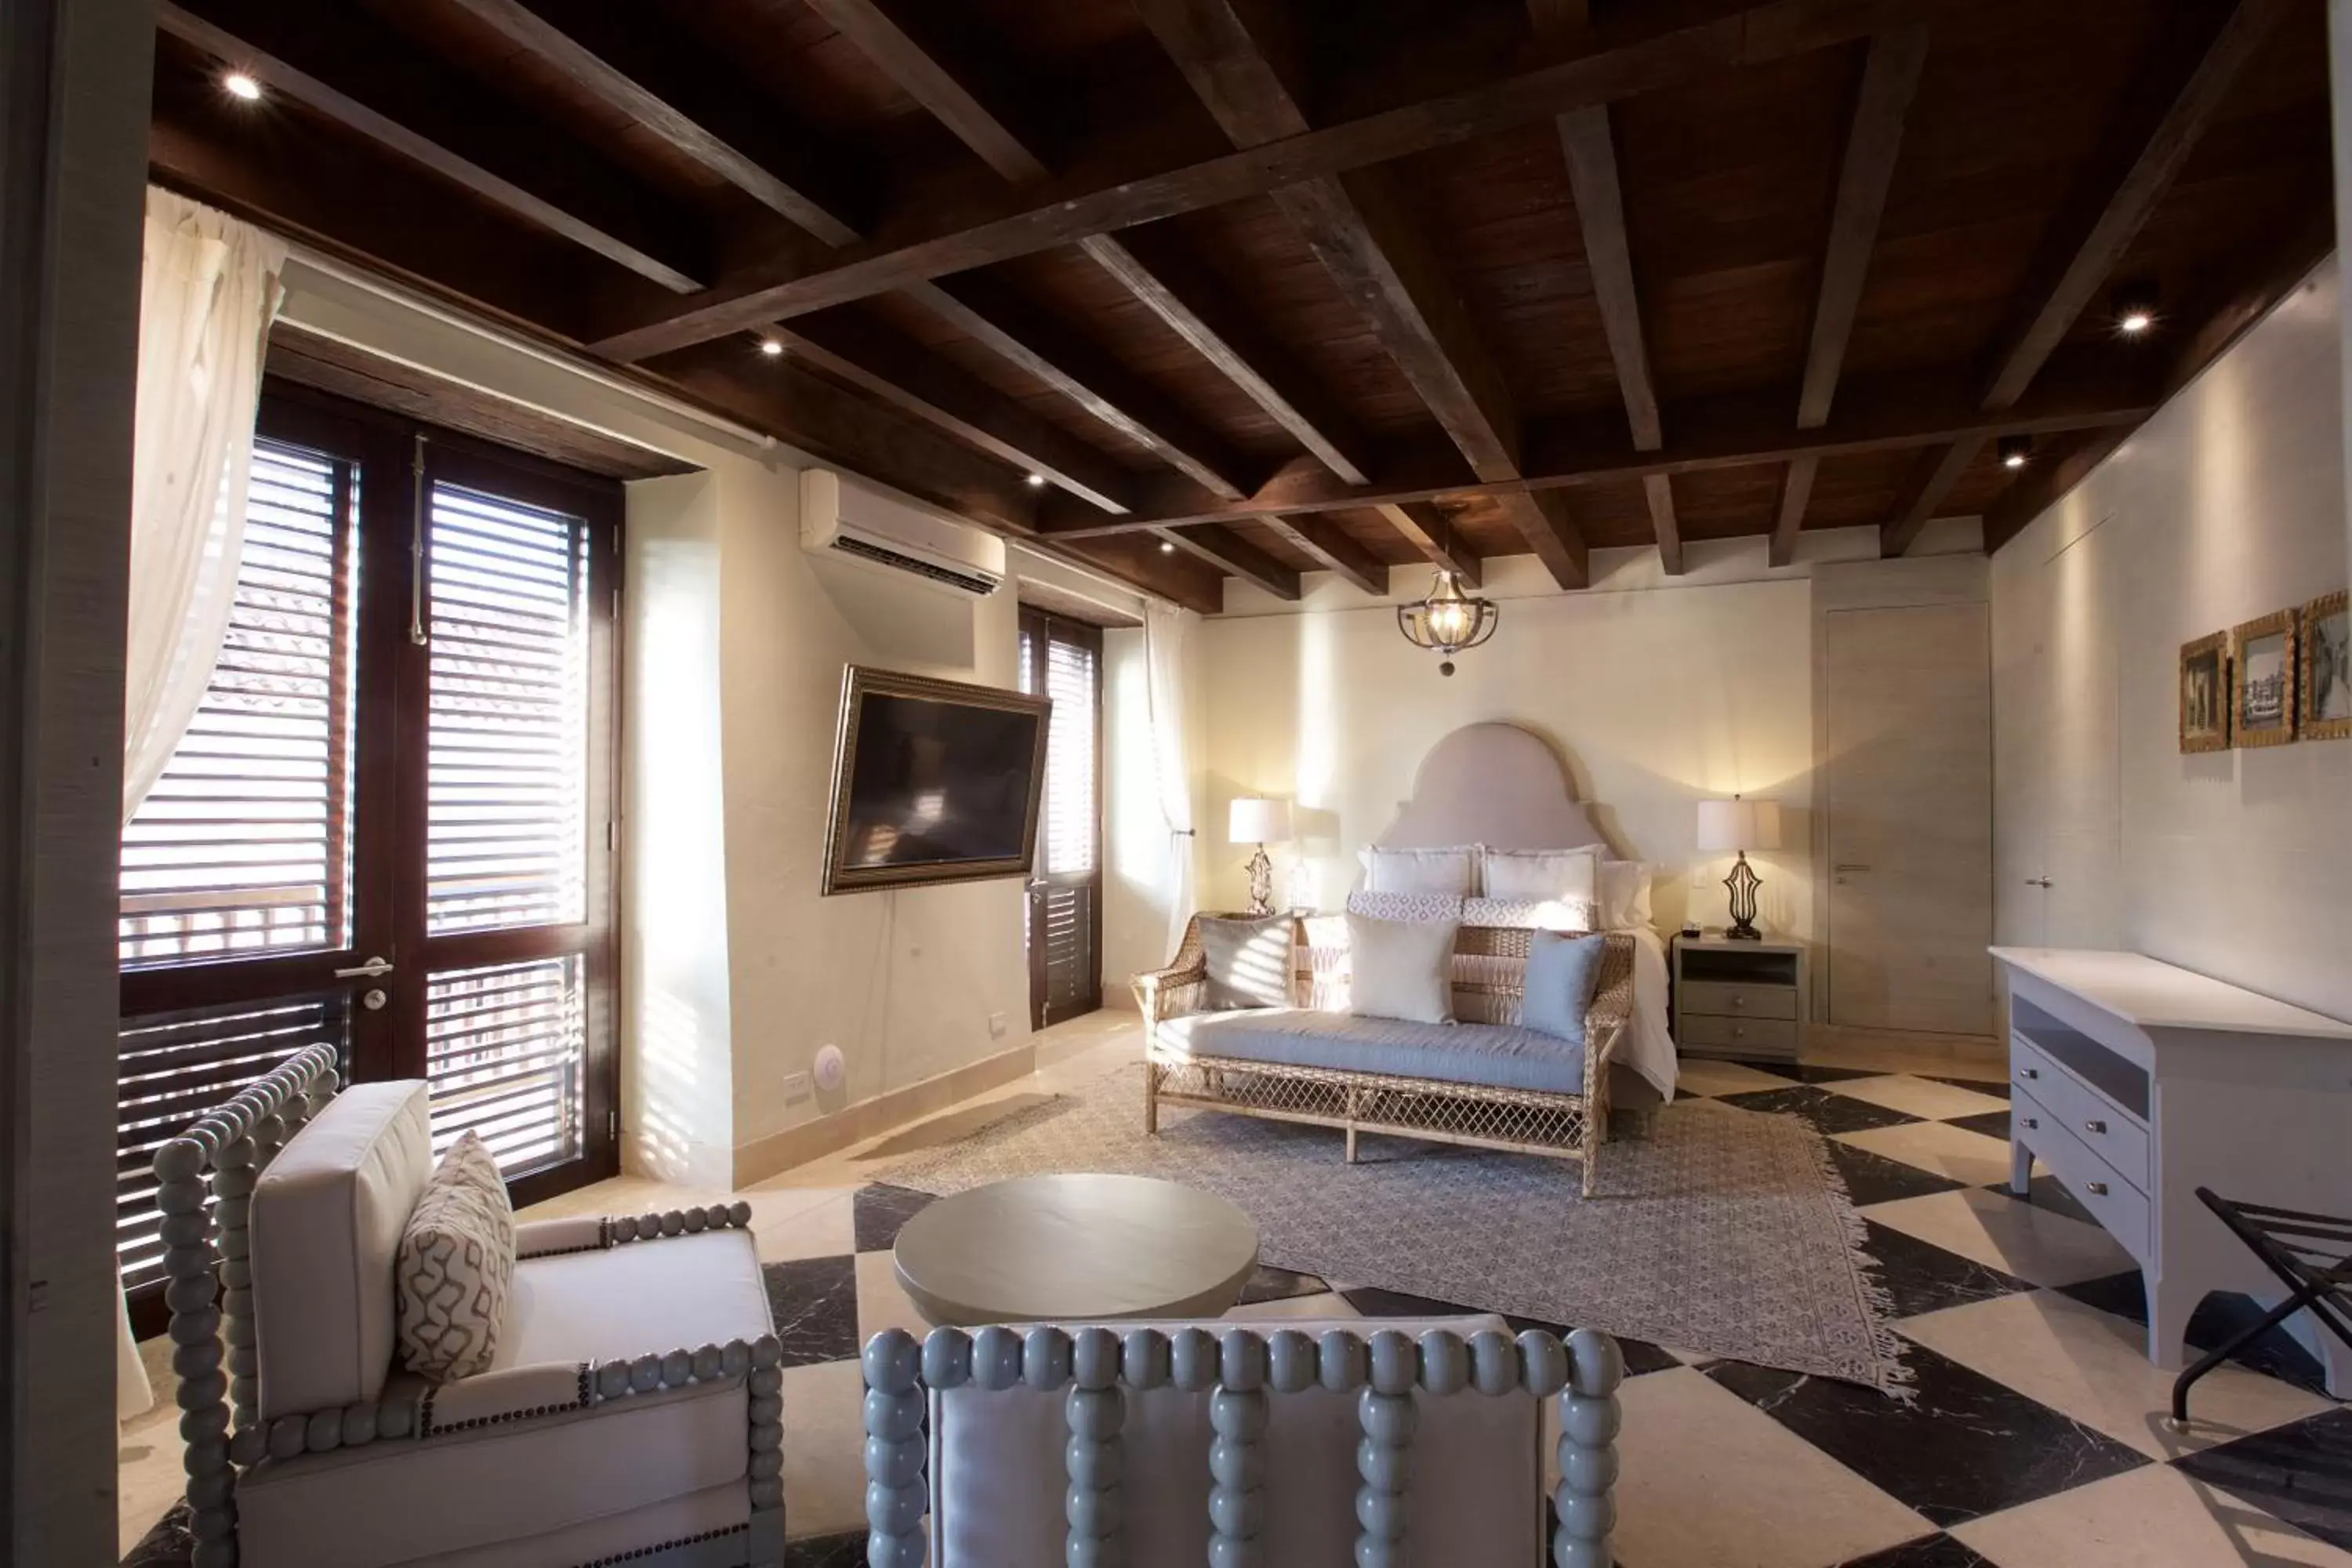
1738	998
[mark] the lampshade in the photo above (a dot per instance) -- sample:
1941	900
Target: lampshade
1259	821
1725	826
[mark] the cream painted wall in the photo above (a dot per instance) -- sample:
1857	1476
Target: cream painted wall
1139	869
2228	504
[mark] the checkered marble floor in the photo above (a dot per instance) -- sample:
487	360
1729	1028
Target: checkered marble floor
2035	1441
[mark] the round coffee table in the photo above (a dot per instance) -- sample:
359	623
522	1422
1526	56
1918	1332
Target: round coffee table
1078	1247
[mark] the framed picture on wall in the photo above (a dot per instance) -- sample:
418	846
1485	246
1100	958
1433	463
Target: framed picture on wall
2264	712
2205	694
2326	701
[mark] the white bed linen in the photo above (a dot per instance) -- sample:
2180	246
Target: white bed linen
1646	1046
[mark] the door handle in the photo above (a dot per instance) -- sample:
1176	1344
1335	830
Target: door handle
2037	881
372	969
1850	868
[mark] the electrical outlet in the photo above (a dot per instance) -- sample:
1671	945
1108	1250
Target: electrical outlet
798	1086
996	1026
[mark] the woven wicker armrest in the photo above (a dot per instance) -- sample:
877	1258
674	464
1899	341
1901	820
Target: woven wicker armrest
1179	989
1613	996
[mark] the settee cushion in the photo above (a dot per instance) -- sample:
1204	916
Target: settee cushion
458	1492
1561	973
1475	1499
1494	1055
1248	961
326	1220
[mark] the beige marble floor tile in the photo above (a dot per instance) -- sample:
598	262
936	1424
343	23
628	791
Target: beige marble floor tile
1292	1308
775	1208
149	1475
1952	1151
2035	1245
2139	1519
882	1302
2093	1366
824	1449
1698	1075
1707	1478
1915	1096
823	1230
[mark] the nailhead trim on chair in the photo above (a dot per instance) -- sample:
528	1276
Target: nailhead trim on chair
426	1430
642	1551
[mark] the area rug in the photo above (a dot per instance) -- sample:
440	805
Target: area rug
1728	1233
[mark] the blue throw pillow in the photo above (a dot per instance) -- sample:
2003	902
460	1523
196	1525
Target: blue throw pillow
1562	973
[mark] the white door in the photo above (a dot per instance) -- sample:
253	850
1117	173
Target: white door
1910	818
2020	758
2083	862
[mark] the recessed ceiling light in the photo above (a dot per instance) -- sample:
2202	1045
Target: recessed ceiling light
2015	450
1167	547
237	84
1036	482
772	347
2134	308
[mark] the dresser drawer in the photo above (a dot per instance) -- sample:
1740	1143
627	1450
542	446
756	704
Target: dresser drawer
1762	1036
2120	1208
1717	999
2089	1116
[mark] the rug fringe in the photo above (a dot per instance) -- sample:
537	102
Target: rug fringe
1895	1377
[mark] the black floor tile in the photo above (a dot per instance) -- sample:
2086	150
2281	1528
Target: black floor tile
1965	1447
827	1552
1280	1285
1920	1277
1991	1123
2301	1472
1936	1551
1641	1356
814	1304
170	1544
1997	1088
2047	1192
1783	1070
877	1211
1805	1072
1875	1179
1829	1113
2217	1320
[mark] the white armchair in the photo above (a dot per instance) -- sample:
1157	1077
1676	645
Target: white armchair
1315	1445
631	1410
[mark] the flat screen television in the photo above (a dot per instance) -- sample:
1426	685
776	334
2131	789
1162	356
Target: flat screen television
933	781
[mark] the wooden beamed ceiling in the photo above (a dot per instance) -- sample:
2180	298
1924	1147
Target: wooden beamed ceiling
1191	290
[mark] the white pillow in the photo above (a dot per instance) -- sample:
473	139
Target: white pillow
1624	904
1400	969
1449	871
1540	876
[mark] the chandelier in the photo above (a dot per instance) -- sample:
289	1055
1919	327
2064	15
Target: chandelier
1448	620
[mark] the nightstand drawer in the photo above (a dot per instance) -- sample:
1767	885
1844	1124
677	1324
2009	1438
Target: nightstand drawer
1716	999
1769	1037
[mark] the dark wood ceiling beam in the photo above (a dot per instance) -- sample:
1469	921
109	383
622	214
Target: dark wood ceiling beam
1432	533
1139	563
1884	414
1796	494
993	316
2105	231
1658	490
884	363
684	133
1154	266
2042	485
914	247
1932	477
1550	532
619	234
884	37
1221	547
1335	549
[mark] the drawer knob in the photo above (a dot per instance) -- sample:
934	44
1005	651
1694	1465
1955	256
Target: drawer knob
1739	1001
2098	1189
2032	1123
2095	1127
2033	1073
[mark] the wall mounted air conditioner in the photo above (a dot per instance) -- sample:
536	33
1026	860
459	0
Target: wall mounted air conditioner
847	520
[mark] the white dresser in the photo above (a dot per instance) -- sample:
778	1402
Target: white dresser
2137	1082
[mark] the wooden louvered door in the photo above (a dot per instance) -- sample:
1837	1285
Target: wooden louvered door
386	827
1062	660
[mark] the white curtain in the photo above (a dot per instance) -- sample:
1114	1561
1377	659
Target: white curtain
1164	664
208	292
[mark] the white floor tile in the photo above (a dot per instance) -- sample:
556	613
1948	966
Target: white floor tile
2093	1365
1919	1096
1698	1075
822	1230
2035	1245
1291	1308
1707	1478
1951	1151
2139	1519
824	1449
882	1302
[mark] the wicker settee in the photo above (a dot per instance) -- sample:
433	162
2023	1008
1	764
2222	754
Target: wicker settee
1449	1096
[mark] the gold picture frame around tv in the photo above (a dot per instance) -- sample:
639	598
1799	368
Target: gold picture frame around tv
2262	683
2205	694
2323	697
933	781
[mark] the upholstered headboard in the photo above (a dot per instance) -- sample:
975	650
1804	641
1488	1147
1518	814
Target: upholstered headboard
1491	783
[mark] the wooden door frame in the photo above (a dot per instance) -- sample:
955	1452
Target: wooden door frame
1045	625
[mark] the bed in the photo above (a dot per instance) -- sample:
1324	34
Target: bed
1484	1082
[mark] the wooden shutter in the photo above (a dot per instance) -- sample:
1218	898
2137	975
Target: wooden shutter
1063	661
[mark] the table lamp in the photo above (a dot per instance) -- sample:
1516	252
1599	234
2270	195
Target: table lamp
1740	825
1258	820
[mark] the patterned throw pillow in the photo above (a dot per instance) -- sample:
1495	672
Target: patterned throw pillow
1249	961
457	1262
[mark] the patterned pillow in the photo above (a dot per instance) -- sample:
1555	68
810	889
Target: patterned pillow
456	1261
